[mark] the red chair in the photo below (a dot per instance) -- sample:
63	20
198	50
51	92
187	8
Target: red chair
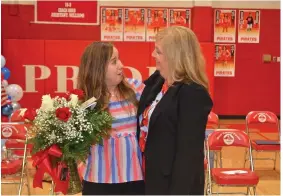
212	121
237	177
262	119
16	117
10	168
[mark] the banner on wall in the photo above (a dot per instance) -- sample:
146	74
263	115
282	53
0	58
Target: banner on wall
224	60
157	19
54	69
249	26
134	24
66	12
111	24
224	26
180	17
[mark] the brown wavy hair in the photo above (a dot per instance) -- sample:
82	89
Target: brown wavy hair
92	73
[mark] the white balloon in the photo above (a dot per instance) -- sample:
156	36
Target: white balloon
3	61
15	92
15	106
5	83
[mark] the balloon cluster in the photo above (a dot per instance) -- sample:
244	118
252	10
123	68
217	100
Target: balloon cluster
10	93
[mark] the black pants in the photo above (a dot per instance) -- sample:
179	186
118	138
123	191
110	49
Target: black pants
128	188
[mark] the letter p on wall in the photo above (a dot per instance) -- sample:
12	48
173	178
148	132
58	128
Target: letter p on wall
31	76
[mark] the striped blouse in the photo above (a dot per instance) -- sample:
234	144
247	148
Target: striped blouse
119	159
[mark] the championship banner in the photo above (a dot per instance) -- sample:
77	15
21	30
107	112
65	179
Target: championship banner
249	26
66	12
111	24
156	21
134	24
224	60
225	26
180	17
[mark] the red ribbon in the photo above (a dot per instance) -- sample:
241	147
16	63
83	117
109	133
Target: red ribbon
42	160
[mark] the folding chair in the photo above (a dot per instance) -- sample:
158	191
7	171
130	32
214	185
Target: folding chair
234	177
10	168
16	117
260	119
212	121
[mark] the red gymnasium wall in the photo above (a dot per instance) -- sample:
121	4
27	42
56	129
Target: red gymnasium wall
256	86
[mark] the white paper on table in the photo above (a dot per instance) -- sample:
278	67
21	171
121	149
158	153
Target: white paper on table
231	172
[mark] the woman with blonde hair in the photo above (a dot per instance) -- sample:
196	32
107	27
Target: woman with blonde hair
172	116
113	168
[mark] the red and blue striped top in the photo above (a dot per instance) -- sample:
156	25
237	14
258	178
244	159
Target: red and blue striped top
119	159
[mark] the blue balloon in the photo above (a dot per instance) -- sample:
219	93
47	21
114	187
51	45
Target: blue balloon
7	110
9	97
6	72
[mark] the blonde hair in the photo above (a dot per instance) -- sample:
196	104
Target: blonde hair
183	54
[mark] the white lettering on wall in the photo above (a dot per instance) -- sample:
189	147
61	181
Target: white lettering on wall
62	78
135	73
151	70
30	76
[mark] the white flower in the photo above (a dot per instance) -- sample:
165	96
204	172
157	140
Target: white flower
74	100
47	103
52	136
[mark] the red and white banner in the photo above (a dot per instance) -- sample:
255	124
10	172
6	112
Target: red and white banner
180	17
157	19
111	24
224	26
66	12
249	26
51	66
225	60
134	24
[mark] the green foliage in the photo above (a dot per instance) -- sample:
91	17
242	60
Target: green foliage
101	123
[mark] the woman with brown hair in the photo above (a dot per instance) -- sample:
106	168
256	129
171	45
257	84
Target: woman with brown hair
115	166
172	114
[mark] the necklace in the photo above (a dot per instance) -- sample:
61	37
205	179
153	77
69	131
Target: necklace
113	94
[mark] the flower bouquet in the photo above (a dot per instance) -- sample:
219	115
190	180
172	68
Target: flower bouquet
62	131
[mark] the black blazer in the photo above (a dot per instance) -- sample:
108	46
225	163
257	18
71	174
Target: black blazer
174	156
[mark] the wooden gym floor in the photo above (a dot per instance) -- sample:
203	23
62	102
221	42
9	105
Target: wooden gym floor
269	183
